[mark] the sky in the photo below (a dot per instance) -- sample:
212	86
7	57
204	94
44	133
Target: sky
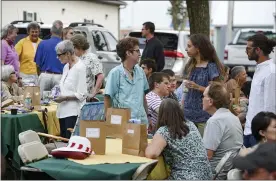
245	13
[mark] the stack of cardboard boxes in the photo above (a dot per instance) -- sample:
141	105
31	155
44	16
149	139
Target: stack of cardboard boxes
134	136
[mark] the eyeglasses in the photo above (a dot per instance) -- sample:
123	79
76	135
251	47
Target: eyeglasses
61	54
137	51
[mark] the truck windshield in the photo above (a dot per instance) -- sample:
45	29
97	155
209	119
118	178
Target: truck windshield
242	40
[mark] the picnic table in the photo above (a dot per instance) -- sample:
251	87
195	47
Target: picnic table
13	125
112	166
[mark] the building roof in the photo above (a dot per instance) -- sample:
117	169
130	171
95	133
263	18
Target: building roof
114	2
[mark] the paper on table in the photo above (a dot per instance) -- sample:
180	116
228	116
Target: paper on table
93	132
113	155
116	119
130	131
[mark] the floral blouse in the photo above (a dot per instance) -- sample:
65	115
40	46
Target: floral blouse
93	68
186	157
193	100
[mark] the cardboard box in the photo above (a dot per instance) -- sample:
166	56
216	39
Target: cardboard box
95	131
135	139
35	95
116	119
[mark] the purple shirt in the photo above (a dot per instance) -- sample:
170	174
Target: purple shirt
9	56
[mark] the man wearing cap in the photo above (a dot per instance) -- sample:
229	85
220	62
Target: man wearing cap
260	164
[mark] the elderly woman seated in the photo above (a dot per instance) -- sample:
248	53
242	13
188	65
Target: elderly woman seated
237	80
73	87
9	88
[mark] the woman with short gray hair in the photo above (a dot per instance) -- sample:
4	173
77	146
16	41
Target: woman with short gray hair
237	80
73	87
8	53
9	88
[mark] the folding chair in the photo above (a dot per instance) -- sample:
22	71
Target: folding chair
31	152
30	136
221	164
144	170
90	111
234	174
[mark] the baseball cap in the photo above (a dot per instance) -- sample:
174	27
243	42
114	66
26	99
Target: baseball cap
263	157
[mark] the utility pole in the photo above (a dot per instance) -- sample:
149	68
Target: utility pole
274	14
275	28
230	20
132	14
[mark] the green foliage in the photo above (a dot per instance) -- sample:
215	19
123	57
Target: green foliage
178	12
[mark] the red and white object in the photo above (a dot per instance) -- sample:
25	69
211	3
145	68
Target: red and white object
78	148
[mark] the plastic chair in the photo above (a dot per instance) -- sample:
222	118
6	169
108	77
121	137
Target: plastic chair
31	152
30	136
234	174
222	163
144	170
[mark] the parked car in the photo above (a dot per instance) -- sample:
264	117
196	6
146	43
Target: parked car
102	43
45	32
234	52
174	43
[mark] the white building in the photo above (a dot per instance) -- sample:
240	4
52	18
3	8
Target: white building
106	13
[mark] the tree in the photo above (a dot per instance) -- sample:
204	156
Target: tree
178	14
199	17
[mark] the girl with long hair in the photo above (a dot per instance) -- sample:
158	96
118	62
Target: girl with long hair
203	66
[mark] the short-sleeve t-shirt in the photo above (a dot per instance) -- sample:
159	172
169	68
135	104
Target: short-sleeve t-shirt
187	156
193	99
223	133
154	102
93	68
126	93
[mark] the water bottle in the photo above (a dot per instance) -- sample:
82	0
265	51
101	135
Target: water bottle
185	88
28	101
185	91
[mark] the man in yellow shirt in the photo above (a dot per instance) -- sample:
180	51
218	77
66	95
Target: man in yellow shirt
26	49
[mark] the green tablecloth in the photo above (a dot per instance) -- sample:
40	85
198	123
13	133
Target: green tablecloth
61	169
11	126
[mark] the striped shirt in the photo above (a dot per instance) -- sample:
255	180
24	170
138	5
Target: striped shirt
154	102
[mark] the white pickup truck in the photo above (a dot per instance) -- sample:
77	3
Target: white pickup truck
234	52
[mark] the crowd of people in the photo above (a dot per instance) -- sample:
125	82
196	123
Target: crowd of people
63	60
215	110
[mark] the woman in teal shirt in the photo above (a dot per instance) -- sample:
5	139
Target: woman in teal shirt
127	83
